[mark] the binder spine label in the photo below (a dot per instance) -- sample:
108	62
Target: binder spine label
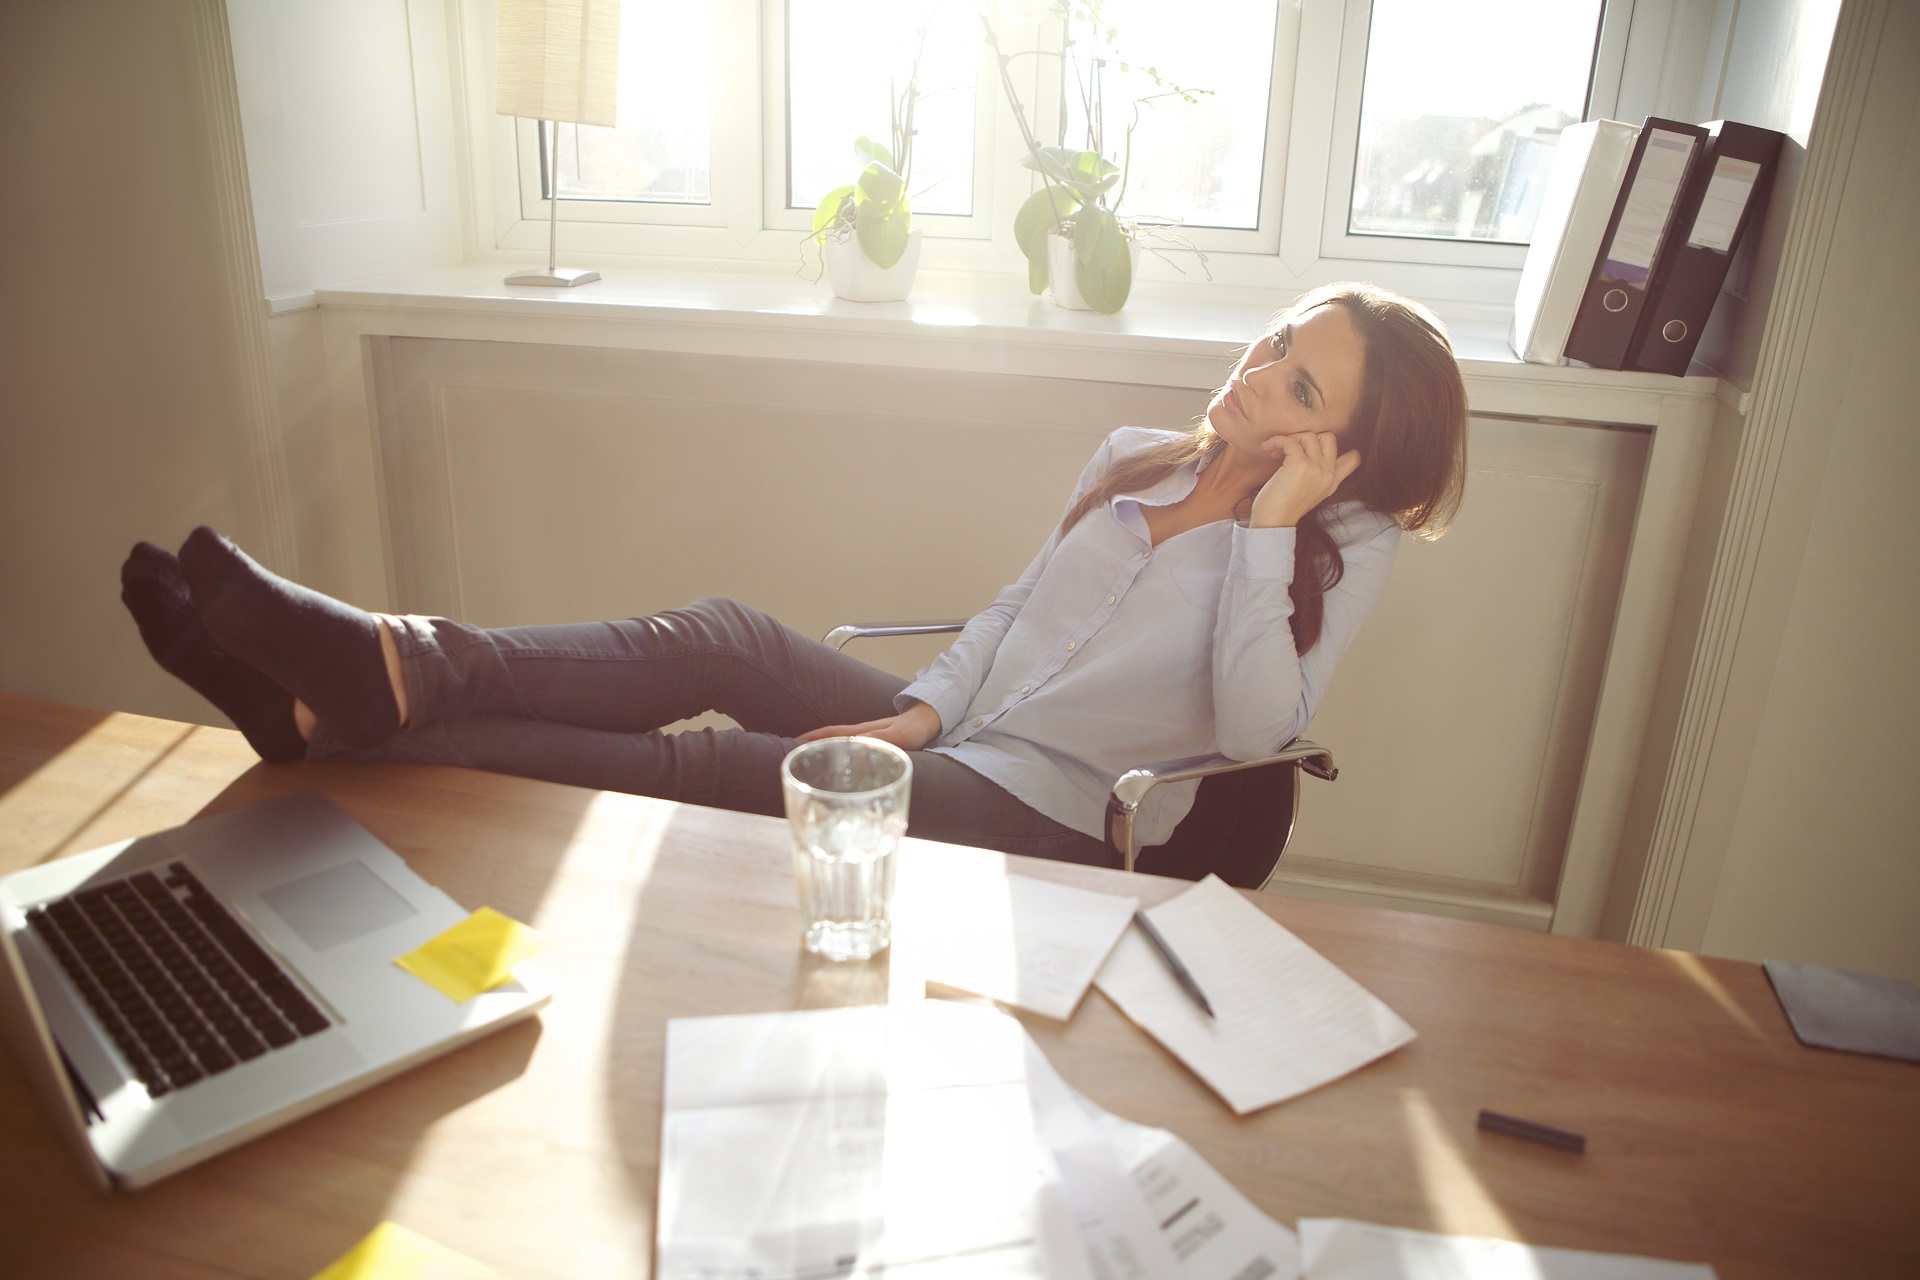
1636	241
1726	199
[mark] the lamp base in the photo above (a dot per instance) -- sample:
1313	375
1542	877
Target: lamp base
559	277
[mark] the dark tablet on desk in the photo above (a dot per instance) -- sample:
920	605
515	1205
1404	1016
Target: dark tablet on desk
1840	1009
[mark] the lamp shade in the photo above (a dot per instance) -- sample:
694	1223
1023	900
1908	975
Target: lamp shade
558	60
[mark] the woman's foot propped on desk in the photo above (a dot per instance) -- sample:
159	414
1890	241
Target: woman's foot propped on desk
326	653
156	594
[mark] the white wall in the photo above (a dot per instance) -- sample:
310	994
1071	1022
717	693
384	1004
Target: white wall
1776	57
124	380
352	149
1783	821
1823	862
354	152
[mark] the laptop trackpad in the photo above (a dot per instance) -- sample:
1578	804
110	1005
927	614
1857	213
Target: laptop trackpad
337	905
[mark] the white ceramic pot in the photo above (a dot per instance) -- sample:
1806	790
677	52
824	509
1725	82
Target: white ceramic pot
1063	283
855	277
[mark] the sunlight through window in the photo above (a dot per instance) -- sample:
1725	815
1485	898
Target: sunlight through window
846	59
659	152
1197	163
1461	108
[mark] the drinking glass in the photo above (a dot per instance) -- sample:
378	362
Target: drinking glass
847	806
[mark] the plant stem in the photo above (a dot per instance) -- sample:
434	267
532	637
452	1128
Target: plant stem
1126	167
903	149
1020	118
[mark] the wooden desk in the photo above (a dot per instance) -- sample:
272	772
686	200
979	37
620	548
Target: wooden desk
1712	1134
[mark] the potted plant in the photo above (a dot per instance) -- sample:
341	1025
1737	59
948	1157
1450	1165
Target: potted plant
865	229
1078	246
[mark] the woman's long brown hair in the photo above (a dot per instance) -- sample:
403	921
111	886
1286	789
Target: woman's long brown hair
1410	428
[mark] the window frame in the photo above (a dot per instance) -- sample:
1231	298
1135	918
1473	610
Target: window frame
776	213
1284	61
522	211
1648	74
1603	91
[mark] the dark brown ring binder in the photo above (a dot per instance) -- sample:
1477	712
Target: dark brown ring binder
1637	235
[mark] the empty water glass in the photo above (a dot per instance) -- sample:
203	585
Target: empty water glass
847	807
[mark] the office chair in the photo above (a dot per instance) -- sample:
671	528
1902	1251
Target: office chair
1242	816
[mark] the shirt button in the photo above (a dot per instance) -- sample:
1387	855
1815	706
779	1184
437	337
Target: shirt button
981	721
1026	688
1069	646
1111	599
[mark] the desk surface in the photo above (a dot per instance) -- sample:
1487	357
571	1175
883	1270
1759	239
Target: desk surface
1712	1134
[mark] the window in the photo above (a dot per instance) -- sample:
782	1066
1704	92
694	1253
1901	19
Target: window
1447	117
679	82
846	62
1188	112
661	152
1337	137
1465	157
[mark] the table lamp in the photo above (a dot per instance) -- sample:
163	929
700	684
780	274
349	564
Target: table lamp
557	60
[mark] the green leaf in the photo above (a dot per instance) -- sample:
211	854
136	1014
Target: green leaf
1056	162
882	229
1093	165
829	207
868	149
1088	174
1030	227
880	184
1102	260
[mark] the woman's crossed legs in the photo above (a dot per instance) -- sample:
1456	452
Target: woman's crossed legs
577	703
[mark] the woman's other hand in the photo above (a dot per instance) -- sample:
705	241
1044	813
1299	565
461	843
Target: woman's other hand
1311	468
911	730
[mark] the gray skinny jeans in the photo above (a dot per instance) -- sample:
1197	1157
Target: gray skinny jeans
583	703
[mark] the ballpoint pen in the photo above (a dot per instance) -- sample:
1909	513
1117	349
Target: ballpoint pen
1180	973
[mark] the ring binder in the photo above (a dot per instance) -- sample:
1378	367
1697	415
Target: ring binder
1616	295
1723	202
1589	161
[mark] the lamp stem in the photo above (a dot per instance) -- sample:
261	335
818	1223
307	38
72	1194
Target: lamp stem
553	276
553	201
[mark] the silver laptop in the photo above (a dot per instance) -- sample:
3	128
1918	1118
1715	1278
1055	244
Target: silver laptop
176	995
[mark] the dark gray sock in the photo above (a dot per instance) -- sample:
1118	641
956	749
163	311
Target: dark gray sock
326	653
156	594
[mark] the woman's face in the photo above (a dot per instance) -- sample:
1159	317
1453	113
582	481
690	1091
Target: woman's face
1304	376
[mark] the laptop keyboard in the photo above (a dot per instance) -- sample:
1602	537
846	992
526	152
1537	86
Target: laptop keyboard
178	985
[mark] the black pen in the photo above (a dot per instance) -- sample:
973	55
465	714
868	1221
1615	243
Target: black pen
1180	973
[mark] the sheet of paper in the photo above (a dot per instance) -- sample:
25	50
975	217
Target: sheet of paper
1286	1020
1215	1232
476	955
907	1139
1335	1249
391	1252
1022	941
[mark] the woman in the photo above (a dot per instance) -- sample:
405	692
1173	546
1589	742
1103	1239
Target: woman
1195	597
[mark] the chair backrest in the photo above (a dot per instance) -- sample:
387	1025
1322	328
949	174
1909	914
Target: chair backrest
1237	829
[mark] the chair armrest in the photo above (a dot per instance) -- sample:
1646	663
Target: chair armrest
1133	785
839	636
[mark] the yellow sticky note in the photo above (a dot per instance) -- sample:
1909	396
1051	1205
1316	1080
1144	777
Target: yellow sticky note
476	955
391	1252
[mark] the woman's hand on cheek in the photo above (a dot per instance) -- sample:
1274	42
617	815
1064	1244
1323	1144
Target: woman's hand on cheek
1311	468
911	730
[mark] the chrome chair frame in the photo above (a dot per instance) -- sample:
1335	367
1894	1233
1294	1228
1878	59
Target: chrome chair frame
1133	786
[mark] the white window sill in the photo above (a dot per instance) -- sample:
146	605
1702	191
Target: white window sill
1167	334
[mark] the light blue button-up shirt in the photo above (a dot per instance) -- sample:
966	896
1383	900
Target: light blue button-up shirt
1110	652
